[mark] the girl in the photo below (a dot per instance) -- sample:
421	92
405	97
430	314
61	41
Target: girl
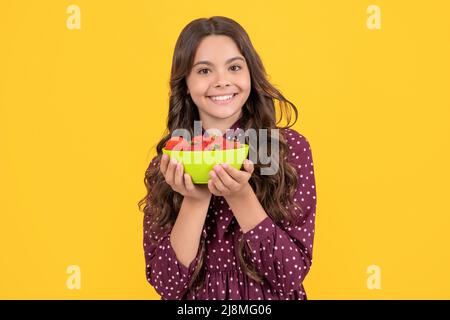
244	235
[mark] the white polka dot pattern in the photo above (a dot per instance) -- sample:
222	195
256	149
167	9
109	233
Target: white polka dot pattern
282	253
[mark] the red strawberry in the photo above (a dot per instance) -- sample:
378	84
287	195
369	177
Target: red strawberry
198	138
177	143
172	142
197	143
227	144
208	140
216	144
200	142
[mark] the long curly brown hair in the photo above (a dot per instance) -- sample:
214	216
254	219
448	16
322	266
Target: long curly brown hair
275	192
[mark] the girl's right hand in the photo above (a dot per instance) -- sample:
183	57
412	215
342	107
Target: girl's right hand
181	182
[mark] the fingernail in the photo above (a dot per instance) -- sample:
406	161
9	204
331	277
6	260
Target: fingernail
174	161
212	174
164	156
225	165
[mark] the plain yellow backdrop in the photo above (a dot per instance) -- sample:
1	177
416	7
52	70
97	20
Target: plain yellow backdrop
80	111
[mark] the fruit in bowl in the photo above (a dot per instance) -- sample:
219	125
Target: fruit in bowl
200	143
199	155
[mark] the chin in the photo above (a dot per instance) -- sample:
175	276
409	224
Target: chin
222	114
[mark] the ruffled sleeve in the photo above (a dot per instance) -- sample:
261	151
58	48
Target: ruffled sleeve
164	271
283	253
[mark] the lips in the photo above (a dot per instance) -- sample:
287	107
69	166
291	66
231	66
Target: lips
222	102
221	95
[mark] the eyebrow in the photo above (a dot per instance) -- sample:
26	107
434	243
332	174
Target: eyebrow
211	64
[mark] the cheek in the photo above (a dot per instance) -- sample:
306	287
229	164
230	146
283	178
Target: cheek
244	83
199	88
196	85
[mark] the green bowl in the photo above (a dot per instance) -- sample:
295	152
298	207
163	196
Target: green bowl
198	164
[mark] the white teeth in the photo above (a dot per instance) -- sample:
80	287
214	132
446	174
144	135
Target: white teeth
222	98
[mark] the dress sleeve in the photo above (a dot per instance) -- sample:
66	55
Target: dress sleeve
164	271
283	254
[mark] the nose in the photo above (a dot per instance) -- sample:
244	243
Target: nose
222	81
222	84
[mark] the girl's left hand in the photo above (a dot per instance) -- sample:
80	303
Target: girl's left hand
227	180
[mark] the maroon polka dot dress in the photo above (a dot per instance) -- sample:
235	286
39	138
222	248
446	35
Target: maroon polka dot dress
280	252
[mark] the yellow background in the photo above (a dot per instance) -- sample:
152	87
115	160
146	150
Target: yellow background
80	111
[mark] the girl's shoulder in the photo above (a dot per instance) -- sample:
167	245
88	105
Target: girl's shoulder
299	150
294	138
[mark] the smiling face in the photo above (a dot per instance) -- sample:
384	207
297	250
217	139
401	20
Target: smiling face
219	81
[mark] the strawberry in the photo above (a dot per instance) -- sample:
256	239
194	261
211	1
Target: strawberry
227	144
216	144
177	143
197	143
207	140
212	146
198	138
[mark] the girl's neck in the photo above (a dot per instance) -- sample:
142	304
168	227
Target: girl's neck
221	124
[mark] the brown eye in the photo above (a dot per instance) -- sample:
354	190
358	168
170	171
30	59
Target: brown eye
236	66
200	71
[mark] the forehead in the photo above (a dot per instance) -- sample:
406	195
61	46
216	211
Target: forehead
216	49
